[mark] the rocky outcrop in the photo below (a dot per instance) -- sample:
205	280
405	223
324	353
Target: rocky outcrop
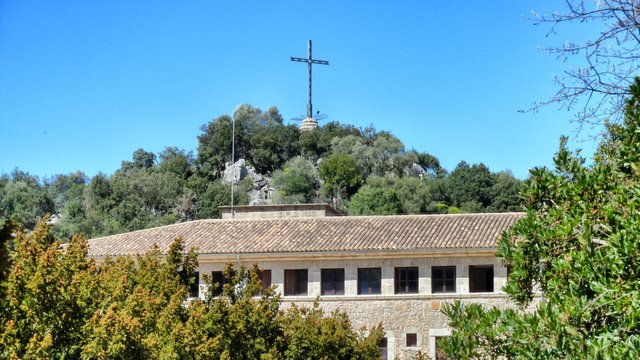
415	170
260	192
235	173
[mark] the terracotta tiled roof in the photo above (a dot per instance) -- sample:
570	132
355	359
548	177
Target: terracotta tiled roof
324	234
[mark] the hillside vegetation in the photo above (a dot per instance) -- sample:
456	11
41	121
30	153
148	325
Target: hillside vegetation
359	171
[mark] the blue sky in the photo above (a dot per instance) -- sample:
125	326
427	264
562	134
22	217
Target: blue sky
85	83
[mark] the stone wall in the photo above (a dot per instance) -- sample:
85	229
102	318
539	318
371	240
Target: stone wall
280	211
399	313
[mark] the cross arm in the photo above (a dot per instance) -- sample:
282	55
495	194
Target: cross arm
299	59
321	62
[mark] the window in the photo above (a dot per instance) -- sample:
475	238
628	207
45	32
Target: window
412	340
295	282
332	282
369	281
384	353
406	280
217	283
194	285
265	279
443	279
481	278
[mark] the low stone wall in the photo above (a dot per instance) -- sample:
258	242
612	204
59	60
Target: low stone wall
400	315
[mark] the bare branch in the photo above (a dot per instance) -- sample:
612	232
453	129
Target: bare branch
609	63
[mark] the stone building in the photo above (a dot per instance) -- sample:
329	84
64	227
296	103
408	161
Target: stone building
397	270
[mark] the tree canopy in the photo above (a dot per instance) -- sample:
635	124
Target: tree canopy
579	246
55	303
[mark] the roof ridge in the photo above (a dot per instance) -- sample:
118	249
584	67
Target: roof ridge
169	227
423	232
367	216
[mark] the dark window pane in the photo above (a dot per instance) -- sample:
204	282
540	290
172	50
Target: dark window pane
332	282
383	349
194	285
295	282
481	278
412	339
443	279
369	281
265	279
217	282
406	280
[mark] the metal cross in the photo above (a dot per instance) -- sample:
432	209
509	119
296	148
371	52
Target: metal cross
309	62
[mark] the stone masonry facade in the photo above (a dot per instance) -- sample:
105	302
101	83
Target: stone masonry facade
394	270
401	314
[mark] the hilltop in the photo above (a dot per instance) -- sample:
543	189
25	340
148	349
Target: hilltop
361	171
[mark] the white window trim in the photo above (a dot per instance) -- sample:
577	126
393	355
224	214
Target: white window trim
411	330
433	334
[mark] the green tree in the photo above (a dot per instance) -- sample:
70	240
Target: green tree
214	146
55	303
297	182
257	133
66	187
219	194
341	177
24	200
399	195
505	193
316	144
143	310
375	201
579	244
177	162
431	165
379	155
471	186
46	297
68	194
144	197
272	146
310	334
141	159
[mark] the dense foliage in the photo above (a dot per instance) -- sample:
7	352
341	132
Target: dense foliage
580	246
334	163
57	304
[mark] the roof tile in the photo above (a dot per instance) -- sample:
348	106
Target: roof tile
319	234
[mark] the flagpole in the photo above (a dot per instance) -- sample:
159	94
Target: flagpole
233	161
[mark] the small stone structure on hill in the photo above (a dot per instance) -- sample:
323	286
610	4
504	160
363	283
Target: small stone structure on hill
279	211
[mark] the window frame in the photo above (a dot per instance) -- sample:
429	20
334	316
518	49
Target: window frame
383	347
300	284
485	273
404	281
440	285
370	290
265	279
333	277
